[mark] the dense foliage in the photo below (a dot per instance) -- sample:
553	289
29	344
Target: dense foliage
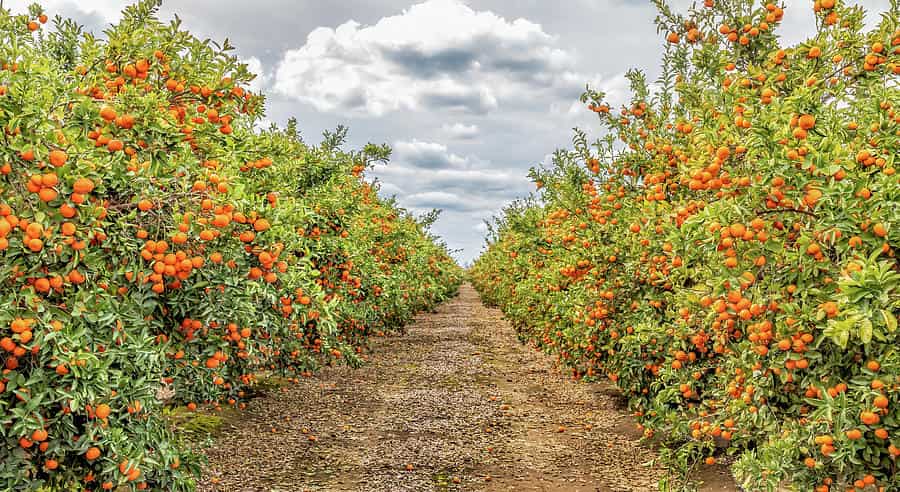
156	244
726	253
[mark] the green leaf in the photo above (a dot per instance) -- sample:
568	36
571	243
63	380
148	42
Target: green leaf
842	338
889	320
865	330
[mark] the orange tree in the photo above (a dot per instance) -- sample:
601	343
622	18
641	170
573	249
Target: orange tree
726	252
156	245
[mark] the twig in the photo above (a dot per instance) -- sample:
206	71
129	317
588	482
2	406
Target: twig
794	210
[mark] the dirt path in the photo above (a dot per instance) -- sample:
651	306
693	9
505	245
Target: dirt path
455	404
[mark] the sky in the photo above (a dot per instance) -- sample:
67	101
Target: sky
469	93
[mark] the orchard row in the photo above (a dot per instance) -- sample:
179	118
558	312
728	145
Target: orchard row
726	251
158	248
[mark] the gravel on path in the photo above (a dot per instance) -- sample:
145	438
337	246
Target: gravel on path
456	403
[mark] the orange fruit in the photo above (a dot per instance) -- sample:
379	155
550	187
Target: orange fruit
102	411
108	113
83	186
58	158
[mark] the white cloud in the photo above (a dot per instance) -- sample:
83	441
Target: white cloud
460	131
426	155
426	175
481	182
255	66
436	199
437	54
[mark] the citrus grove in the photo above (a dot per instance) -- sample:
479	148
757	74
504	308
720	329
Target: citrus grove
726	251
158	248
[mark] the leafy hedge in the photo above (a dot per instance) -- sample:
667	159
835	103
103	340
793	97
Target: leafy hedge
726	252
156	243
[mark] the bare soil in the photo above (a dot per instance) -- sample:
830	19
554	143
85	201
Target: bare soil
457	403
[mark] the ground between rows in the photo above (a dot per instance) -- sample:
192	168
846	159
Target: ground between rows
456	403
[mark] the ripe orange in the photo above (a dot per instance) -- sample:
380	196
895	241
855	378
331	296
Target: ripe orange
58	158
83	186
115	145
869	418
261	225
108	113
806	121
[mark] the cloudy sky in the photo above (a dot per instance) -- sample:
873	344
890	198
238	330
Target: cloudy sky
469	93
